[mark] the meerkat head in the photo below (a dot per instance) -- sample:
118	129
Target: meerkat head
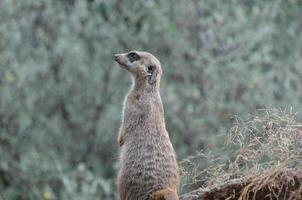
143	66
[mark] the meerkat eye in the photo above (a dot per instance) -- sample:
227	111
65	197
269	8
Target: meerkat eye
150	68
132	56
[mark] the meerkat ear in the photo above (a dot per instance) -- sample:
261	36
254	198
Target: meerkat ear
153	74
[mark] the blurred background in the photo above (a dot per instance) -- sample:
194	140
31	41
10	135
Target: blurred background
61	93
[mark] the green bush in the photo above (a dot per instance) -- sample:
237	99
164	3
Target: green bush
61	92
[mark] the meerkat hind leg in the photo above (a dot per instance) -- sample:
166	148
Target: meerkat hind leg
165	194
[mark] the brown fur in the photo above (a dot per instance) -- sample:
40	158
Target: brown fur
165	194
148	167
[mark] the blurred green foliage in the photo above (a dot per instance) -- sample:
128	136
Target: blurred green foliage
61	93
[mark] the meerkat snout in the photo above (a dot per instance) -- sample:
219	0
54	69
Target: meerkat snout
116	57
144	67
120	59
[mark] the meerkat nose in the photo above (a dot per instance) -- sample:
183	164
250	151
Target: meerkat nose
116	57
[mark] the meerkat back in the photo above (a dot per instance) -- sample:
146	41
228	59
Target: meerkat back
148	166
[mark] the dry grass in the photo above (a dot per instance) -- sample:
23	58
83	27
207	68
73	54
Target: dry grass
265	150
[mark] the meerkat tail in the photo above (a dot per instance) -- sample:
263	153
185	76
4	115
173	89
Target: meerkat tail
165	194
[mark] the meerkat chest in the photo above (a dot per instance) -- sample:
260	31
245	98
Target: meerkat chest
139	106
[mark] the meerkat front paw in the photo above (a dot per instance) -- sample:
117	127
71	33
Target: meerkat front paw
120	140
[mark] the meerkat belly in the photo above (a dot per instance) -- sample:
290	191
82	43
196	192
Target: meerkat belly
149	164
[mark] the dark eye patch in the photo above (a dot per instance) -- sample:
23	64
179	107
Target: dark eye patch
132	56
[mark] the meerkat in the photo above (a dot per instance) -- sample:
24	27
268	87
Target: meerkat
148	166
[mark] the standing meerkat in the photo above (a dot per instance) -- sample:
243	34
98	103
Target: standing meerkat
148	167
